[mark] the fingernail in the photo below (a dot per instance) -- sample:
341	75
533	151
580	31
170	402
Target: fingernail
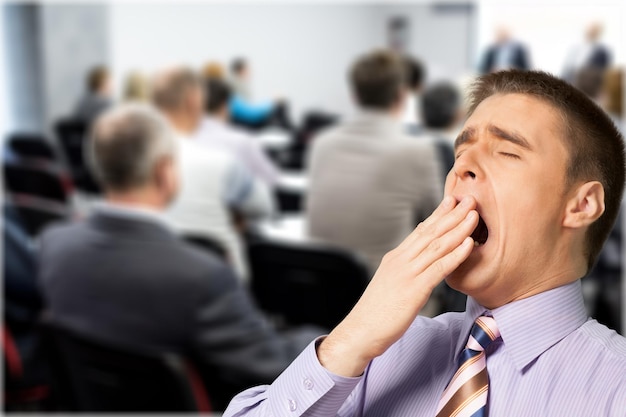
466	201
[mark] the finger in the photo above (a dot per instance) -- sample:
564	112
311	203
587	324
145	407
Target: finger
432	230
447	204
447	264
440	247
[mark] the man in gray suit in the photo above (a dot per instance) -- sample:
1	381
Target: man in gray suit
123	276
370	184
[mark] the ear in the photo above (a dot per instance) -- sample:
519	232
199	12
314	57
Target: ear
167	176
585	206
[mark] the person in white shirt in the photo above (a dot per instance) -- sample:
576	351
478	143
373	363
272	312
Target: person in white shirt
216	133
415	74
214	185
591	53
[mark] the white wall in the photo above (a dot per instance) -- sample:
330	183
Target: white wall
551	28
302	51
74	38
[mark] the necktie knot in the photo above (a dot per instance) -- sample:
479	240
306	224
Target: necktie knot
483	333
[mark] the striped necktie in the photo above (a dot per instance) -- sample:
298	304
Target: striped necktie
466	394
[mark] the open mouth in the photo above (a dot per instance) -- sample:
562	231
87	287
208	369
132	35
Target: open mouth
481	233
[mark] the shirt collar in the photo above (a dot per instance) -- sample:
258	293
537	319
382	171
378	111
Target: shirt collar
532	325
136	212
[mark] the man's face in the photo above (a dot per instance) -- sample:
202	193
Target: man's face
511	159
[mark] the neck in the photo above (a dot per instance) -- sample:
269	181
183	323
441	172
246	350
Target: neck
221	115
181	123
146	197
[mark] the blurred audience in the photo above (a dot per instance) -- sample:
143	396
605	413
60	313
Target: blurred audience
213	182
216	133
589	80
122	276
589	54
136	87
370	183
442	111
249	114
214	70
505	53
97	98
613	96
416	74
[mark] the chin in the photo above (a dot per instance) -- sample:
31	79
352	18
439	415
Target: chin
470	276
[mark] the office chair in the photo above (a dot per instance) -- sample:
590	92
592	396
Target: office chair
31	146
72	135
21	392
207	244
43	180
89	375
306	283
37	213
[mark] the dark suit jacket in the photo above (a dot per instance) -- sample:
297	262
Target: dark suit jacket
519	58
600	58
131	281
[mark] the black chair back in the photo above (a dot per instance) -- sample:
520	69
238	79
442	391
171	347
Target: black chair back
92	376
31	146
306	284
37	213
72	135
40	180
207	244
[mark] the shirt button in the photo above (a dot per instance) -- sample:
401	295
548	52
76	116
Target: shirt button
292	405
308	384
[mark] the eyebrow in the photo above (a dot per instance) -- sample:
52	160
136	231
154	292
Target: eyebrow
513	137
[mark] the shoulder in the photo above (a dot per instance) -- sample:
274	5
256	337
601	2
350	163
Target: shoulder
606	340
199	267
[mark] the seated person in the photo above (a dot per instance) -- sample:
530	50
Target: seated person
368	181
252	115
97	98
215	185
123	276
441	112
416	74
535	190
216	133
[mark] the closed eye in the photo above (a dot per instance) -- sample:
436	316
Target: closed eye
510	155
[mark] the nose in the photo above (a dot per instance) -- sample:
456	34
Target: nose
466	166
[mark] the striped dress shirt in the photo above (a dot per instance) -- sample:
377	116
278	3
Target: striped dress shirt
551	360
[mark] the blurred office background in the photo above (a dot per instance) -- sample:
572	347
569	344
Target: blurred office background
299	53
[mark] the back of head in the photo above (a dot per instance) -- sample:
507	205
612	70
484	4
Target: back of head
415	73
96	78
440	105
238	66
127	143
171	88
378	80
218	94
213	70
595	146
136	87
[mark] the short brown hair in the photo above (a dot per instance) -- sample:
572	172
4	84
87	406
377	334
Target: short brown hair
596	148
377	79
170	88
96	78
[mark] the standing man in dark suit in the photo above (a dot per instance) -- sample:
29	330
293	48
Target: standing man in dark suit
124	277
506	53
589	55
